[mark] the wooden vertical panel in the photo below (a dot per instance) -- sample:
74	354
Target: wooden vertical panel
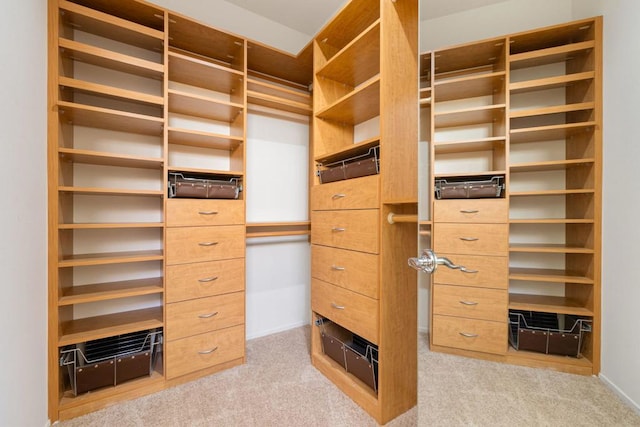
399	100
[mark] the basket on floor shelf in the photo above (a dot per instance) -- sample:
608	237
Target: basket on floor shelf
548	333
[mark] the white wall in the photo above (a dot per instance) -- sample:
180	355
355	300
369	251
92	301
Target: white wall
23	309
278	268
621	194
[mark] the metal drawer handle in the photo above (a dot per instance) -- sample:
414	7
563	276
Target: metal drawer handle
469	211
468	302
208	212
338	196
469	239
336	229
208	316
336	306
468	335
208	279
208	243
208	351
335	267
468	270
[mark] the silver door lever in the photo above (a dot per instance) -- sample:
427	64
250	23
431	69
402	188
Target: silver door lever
429	261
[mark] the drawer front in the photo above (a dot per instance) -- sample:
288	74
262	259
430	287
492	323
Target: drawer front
204	279
185	212
471	210
480	271
473	303
468	334
358	193
356	271
204	350
471	239
196	244
356	230
357	313
196	316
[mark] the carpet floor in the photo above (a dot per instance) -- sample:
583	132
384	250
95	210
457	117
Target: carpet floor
279	387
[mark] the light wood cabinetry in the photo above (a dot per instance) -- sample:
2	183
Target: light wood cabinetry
137	93
526	106
365	92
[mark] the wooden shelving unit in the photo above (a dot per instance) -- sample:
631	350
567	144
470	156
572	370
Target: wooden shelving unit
137	92
543	90
359	274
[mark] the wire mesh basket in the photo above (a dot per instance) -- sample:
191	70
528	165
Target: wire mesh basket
353	167
202	187
111	361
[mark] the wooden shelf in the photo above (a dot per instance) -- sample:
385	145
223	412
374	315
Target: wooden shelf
106	291
104	58
468	174
550	192
230	174
203	107
556	109
79	260
551	165
92	328
349	151
547	304
111	27
547	275
542	221
196	138
358	61
353	19
358	106
278	97
469	117
471	145
94	191
576	365
104	118
550	82
110	92
206	42
549	133
469	86
472	58
548	248
111	225
201	73
549	55
72	155
275	229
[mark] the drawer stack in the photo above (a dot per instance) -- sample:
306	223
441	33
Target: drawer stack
345	249
469	305
205	309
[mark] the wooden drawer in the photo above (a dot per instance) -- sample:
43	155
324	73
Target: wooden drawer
358	193
196	316
353	229
469	334
480	271
473	303
356	271
353	311
203	279
184	212
205	350
471	239
471	210
196	244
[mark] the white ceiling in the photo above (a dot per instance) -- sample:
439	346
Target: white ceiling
308	16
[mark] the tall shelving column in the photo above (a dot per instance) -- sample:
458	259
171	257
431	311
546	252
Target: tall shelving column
205	238
556	161
365	103
105	151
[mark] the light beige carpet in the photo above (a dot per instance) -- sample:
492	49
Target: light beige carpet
279	387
